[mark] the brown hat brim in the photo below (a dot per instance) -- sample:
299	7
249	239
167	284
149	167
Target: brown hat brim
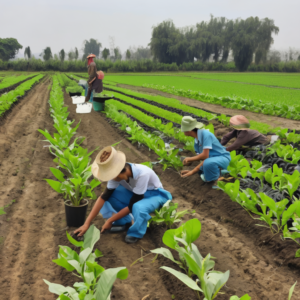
91	55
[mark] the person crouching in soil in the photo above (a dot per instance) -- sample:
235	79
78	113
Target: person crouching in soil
208	149
133	192
95	78
243	134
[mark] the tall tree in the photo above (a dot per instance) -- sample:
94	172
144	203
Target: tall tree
167	43
9	48
62	55
71	55
128	54
91	46
265	39
47	54
105	53
27	52
76	53
118	55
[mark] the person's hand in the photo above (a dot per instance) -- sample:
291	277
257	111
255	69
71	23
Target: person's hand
82	230
107	226
186	173
186	161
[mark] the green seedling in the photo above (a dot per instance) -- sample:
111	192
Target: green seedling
168	214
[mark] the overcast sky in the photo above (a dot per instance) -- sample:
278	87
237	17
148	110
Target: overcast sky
65	24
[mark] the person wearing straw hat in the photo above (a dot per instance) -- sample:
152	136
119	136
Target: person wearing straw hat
208	149
95	78
243	134
133	192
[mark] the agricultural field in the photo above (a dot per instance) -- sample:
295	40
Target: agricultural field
226	90
248	229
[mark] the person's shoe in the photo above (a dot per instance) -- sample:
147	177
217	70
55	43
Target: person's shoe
203	178
119	228
130	239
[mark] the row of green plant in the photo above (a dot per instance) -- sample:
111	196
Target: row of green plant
168	102
70	85
12	80
274	214
279	109
7	99
198	272
261	127
95	282
168	156
167	129
74	161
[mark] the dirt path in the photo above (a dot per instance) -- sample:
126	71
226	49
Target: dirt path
35	224
270	120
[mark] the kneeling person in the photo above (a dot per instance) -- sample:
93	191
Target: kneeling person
213	155
133	192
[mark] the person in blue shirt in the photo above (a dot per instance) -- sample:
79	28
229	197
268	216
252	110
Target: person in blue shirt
208	149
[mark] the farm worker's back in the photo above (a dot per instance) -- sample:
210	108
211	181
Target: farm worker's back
243	134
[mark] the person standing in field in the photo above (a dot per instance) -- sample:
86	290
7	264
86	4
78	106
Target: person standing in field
243	134
95	78
133	192
208	149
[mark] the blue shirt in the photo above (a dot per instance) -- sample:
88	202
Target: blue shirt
207	140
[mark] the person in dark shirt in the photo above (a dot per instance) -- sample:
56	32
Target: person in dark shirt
94	81
243	134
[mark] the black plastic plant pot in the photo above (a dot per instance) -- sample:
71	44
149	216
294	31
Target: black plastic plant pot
75	215
74	94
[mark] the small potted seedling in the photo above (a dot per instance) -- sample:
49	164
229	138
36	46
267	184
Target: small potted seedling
76	192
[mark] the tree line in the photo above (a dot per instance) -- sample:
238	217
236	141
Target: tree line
215	38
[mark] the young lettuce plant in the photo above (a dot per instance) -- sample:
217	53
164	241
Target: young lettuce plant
168	214
209	282
96	282
74	189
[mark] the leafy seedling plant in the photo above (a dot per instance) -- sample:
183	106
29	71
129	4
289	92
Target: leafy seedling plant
208	282
96	282
168	214
74	189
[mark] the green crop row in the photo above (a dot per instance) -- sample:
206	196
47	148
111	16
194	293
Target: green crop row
168	156
214	88
280	109
168	129
6	100
168	102
11	80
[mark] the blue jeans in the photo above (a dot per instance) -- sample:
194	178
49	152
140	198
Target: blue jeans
212	165
141	210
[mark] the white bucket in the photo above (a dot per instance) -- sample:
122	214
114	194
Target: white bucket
78	99
84	108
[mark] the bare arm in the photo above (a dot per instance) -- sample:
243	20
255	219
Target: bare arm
187	173
121	214
227	137
98	205
202	156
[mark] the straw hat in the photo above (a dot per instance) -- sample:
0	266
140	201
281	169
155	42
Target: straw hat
110	168
91	55
239	122
188	124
